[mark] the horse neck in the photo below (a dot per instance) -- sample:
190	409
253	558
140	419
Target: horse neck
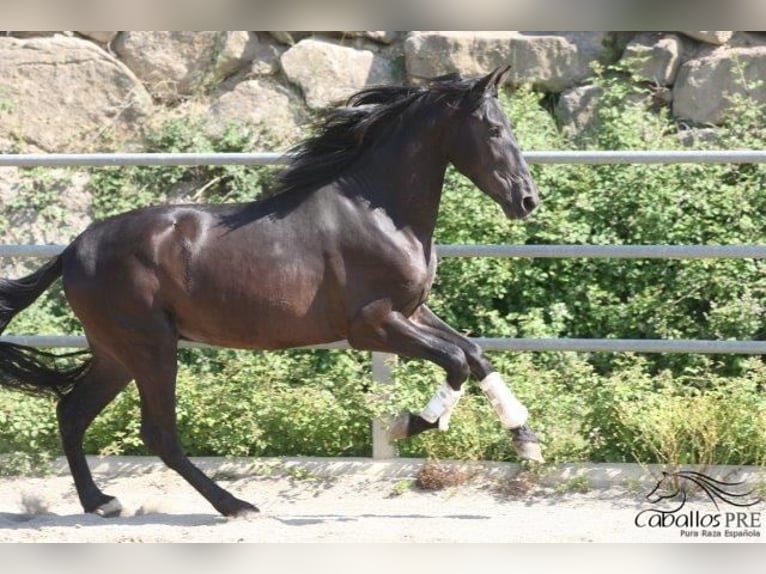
404	174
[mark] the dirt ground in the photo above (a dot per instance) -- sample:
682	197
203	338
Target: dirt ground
356	503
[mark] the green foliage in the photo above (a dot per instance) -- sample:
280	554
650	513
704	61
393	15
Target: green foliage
589	406
401	486
700	419
22	463
576	484
119	189
255	404
18	433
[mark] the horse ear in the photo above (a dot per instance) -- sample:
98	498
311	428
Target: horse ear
489	84
501	74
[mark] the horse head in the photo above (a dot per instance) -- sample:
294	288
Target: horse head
483	148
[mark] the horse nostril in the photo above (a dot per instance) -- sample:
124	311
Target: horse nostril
529	203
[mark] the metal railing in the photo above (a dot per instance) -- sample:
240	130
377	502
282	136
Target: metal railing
380	362
561	251
273	158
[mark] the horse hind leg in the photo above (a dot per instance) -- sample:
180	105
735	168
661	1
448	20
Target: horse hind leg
75	412
154	364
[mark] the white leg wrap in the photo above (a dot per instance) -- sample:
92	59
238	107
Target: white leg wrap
511	412
441	405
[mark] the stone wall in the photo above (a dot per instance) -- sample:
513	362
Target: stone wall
88	91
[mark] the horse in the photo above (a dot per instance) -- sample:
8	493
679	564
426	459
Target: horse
342	250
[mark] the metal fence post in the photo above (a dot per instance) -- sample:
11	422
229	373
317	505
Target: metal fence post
381	373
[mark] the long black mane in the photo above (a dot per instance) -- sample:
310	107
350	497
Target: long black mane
344	132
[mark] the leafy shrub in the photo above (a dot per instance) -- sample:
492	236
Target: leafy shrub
119	189
698	419
255	404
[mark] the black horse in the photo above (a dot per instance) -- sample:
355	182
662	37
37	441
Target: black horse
343	250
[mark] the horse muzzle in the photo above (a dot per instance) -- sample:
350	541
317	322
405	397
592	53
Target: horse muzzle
521	204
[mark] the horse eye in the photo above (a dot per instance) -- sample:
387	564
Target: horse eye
495	131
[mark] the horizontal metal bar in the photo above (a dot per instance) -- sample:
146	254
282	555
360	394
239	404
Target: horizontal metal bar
489	344
624	345
605	251
47	341
80	342
270	158
532	251
653	156
139	159
40	251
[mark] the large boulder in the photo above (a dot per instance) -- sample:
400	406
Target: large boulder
549	61
577	111
36	210
654	58
100	37
701	91
716	38
173	65
263	104
432	54
64	94
328	73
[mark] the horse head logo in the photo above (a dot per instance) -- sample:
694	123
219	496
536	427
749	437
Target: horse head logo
678	485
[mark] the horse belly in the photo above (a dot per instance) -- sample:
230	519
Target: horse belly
279	306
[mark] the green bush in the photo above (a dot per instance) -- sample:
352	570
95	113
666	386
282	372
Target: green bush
701	419
255	404
119	189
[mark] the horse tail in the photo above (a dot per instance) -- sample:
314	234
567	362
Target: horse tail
18	294
25	368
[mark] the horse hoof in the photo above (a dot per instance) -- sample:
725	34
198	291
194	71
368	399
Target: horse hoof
246	510
526	445
109	509
398	429
529	451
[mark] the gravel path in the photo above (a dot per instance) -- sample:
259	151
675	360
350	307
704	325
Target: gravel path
299	504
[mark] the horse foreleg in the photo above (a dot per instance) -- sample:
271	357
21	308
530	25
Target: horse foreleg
512	414
378	328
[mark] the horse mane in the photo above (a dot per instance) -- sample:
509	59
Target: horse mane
342	133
